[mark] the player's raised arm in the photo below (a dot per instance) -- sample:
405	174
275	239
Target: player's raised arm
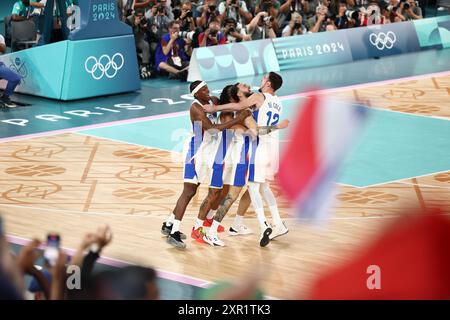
255	99
197	114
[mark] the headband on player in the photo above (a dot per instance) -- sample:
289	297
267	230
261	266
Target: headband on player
197	88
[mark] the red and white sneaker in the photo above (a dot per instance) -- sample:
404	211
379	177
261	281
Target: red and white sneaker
208	223
198	234
213	240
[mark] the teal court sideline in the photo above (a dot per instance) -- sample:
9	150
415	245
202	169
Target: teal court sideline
383	153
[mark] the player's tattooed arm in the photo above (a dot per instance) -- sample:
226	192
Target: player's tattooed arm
268	129
197	114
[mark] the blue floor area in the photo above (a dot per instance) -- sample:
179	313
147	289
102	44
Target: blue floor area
393	146
162	96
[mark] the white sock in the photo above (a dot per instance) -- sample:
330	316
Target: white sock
175	226
238	220
170	220
198	224
261	218
213	229
211	214
275	215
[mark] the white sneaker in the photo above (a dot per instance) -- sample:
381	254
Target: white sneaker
241	230
213	240
278	230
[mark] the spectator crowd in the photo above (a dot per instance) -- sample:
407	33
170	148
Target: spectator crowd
167	31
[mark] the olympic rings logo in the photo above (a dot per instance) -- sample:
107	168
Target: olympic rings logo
383	40
104	66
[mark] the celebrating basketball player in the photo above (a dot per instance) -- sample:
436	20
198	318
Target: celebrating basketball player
204	147
267	111
236	167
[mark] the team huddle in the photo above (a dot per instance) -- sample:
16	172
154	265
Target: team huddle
227	151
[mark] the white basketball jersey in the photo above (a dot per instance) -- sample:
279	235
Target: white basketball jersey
269	113
211	141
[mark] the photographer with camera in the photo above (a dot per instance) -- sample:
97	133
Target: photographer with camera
372	15
186	18
171	56
288	7
341	20
318	22
139	24
411	10
212	35
272	7
235	9
295	26
233	32
159	21
262	26
209	13
125	9
159	7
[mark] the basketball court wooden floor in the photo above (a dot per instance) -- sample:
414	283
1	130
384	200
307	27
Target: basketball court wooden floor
74	182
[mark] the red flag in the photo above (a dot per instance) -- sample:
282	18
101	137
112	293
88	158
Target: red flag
412	260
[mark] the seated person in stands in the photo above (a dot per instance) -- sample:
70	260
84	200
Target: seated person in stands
171	55
22	9
12	78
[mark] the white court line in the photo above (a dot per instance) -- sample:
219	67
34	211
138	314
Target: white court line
74	212
287	97
425	185
399	180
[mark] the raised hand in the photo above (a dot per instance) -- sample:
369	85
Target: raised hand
283	124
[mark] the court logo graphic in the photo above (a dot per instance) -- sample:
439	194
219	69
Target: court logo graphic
104	66
18	66
383	40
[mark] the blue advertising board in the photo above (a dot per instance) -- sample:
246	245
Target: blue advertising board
383	40
320	49
233	60
100	66
41	69
98	59
312	50
99	19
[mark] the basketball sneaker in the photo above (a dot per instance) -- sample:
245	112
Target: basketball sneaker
6	101
208	223
278	230
213	240
265	237
174	239
166	230
198	234
241	230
